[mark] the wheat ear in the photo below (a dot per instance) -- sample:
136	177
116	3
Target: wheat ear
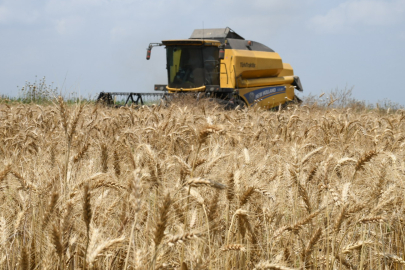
195	182
86	217
271	266
375	219
101	247
4	172
182	238
57	242
364	159
393	258
246	195
340	218
24	261
33	254
356	246
162	222
104	157
310	246
50	209
81	153
233	247
230	192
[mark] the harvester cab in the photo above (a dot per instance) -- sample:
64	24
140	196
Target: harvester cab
221	64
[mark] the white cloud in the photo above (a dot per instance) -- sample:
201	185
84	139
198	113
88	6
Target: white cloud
353	13
277	4
4	14
69	6
118	34
16	12
69	25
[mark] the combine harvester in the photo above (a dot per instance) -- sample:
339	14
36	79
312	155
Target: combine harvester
222	65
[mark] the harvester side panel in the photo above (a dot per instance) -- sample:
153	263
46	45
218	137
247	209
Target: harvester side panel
249	65
260	77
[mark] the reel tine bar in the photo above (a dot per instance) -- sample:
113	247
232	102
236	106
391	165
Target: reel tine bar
135	98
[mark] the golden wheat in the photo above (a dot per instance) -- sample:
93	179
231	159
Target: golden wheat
192	186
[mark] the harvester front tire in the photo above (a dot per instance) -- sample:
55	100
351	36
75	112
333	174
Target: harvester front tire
234	104
295	101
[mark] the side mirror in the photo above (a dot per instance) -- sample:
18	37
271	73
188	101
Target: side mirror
148	51
221	51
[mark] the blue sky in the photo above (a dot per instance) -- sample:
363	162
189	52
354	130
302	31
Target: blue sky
88	46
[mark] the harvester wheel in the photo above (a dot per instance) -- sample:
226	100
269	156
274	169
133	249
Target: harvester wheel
235	103
295	101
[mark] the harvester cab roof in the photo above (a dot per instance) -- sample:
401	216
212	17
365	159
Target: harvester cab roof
217	33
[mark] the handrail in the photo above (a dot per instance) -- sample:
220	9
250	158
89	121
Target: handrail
197	89
226	72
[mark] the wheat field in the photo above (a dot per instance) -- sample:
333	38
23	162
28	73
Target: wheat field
192	186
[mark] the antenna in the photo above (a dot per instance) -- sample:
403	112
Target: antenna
203	30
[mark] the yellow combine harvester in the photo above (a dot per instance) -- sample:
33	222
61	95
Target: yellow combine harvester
222	64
